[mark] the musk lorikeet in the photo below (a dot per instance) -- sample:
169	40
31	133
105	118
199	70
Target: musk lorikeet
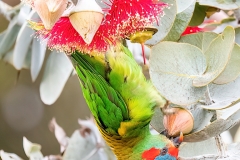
122	102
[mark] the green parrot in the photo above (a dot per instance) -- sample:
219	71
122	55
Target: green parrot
122	102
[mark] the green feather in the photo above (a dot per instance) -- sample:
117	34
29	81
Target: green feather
121	100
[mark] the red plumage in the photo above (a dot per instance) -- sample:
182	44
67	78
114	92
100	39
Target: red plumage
151	154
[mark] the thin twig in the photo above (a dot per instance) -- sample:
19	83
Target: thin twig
208	99
201	157
8	11
221	146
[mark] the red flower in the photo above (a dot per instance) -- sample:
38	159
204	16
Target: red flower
123	18
190	30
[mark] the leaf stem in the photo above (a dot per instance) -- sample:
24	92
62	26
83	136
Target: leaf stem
208	99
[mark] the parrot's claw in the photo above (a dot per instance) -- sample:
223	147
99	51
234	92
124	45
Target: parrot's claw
178	140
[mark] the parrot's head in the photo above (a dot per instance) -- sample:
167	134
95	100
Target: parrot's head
169	152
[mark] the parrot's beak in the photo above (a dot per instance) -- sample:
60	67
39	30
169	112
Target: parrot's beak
178	140
181	137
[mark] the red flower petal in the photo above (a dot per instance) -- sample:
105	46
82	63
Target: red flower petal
190	30
124	18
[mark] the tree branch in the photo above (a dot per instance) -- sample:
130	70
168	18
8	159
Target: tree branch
202	157
7	11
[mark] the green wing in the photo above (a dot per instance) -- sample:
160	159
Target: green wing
106	105
120	98
140	96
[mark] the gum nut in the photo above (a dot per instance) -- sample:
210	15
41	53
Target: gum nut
178	120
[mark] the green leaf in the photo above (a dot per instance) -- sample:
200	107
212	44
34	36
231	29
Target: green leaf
199	15
217	55
201	40
184	14
57	71
38	54
198	148
201	117
157	120
222	4
237	35
165	23
7	41
22	45
224	96
173	66
220	104
232	70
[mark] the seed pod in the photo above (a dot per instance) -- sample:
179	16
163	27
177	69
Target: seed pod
50	11
178	120
86	18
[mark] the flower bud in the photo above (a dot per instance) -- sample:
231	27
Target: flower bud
178	120
86	18
50	11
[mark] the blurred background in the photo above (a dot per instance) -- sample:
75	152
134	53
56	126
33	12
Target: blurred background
22	113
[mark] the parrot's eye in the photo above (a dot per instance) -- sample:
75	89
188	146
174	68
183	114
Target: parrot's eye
164	151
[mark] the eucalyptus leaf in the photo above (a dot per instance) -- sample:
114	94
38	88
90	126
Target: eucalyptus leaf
9	57
80	147
201	40
217	56
198	148
233	152
237	135
23	14
199	15
38	54
173	66
57	71
9	156
27	62
221	104
22	45
165	23
232	70
230	93
228	112
222	4
227	118
32	150
7	41
2	34
157	120
237	35
184	14
201	117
